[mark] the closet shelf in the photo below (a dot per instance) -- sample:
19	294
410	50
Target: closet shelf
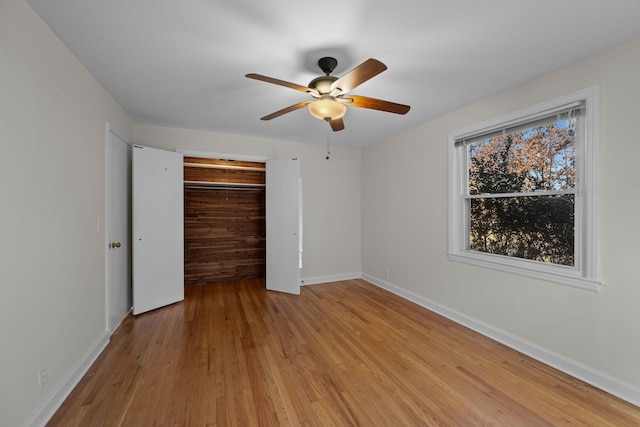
229	167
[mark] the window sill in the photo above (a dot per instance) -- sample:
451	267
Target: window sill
525	268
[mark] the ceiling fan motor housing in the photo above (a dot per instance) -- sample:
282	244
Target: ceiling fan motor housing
322	84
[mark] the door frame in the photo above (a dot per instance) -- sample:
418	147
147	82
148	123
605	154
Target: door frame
106	226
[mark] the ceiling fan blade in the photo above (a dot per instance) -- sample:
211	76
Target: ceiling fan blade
284	83
363	72
376	104
337	124
289	109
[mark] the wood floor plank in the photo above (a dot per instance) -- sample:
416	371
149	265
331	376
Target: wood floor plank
342	353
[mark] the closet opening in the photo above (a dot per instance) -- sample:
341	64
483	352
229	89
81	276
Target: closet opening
224	220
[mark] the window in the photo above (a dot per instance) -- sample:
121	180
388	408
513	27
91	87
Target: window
522	192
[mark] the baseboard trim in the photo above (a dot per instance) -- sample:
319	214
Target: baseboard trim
571	367
50	405
330	278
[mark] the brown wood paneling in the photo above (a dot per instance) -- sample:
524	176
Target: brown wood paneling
222	162
224	231
229	171
219	170
224	175
225	235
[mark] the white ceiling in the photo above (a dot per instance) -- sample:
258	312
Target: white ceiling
181	63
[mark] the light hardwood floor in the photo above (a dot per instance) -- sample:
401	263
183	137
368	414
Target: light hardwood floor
344	353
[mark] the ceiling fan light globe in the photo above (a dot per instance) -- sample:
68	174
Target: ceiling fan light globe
327	109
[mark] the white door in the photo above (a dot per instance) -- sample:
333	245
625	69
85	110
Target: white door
119	229
283	225
158	228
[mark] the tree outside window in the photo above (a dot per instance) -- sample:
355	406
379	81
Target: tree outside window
524	183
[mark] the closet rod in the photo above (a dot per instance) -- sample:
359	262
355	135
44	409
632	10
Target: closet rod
230	167
222	187
222	183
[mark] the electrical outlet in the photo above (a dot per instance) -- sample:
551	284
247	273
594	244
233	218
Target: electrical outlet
42	377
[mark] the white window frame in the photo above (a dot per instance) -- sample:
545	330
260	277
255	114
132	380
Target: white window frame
584	274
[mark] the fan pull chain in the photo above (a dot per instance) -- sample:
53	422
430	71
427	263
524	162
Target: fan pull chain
328	145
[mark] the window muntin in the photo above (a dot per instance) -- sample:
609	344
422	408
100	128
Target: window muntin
556	196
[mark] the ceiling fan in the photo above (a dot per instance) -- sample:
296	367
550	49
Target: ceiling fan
330	93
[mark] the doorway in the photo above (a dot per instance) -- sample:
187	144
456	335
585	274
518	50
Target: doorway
118	228
224	220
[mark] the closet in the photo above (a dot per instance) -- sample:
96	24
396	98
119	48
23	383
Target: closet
224	220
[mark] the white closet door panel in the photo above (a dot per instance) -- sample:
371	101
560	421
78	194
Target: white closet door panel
283	223
158	228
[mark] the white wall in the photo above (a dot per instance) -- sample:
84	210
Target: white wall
331	192
52	190
405	227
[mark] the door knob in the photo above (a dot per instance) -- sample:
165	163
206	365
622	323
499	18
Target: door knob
116	245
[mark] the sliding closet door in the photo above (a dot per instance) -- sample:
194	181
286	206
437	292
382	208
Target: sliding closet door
158	233
283	225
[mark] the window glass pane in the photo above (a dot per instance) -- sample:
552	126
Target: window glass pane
539	228
538	158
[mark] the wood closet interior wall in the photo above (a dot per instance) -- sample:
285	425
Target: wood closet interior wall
224	220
